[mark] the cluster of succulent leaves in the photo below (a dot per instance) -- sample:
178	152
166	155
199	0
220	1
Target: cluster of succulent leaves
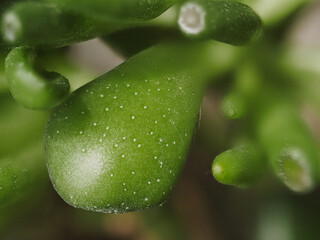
119	142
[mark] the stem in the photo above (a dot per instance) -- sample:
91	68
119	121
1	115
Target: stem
18	124
216	58
244	92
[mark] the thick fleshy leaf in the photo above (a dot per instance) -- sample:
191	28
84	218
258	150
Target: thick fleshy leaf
119	143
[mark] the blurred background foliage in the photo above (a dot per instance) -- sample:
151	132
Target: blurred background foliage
200	207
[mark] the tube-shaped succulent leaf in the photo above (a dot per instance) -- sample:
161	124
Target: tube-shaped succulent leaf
226	21
43	24
234	105
291	149
240	166
32	88
124	10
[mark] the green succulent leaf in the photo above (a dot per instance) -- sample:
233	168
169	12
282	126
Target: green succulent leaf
234	105
241	166
31	88
21	172
291	149
46	25
124	10
118	144
226	21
